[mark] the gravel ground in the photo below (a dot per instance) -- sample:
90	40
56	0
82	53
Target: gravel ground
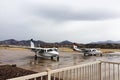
8	71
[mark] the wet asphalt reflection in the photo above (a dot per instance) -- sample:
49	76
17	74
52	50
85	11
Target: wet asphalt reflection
25	59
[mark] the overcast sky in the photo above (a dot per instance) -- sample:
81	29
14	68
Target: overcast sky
80	21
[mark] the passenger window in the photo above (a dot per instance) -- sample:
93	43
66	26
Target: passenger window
41	51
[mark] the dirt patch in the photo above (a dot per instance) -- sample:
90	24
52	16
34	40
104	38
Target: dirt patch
8	71
11	71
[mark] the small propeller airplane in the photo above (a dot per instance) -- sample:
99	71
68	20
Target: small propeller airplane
87	51
44	52
75	48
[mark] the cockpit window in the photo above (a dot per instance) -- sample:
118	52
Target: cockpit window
50	50
55	49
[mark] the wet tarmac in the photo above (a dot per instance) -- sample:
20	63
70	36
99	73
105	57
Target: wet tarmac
24	58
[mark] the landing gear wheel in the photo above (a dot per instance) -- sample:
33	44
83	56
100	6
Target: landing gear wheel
57	58
84	54
94	54
35	57
52	58
101	55
90	54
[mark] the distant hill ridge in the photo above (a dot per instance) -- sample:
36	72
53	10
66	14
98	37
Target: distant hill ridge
106	42
27	42
38	43
66	42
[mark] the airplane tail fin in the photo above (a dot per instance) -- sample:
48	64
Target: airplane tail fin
75	47
32	44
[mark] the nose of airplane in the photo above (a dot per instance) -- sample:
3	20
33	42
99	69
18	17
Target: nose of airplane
54	52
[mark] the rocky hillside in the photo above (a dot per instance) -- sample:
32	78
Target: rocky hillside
21	43
101	44
37	43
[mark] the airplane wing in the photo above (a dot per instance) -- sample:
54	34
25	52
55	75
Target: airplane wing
35	49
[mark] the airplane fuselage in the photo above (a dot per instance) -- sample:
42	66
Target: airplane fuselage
46	52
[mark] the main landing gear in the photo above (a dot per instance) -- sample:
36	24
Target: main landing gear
52	57
35	57
57	58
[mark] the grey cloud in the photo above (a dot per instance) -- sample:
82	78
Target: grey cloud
67	14
27	19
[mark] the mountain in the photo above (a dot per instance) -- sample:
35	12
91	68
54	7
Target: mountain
27	42
66	42
9	42
19	43
106	42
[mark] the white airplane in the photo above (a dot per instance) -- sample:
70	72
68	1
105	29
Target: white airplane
75	48
44	52
87	51
92	52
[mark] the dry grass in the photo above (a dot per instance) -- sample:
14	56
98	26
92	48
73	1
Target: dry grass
110	50
12	48
65	49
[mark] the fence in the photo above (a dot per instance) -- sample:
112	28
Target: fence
110	71
98	70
